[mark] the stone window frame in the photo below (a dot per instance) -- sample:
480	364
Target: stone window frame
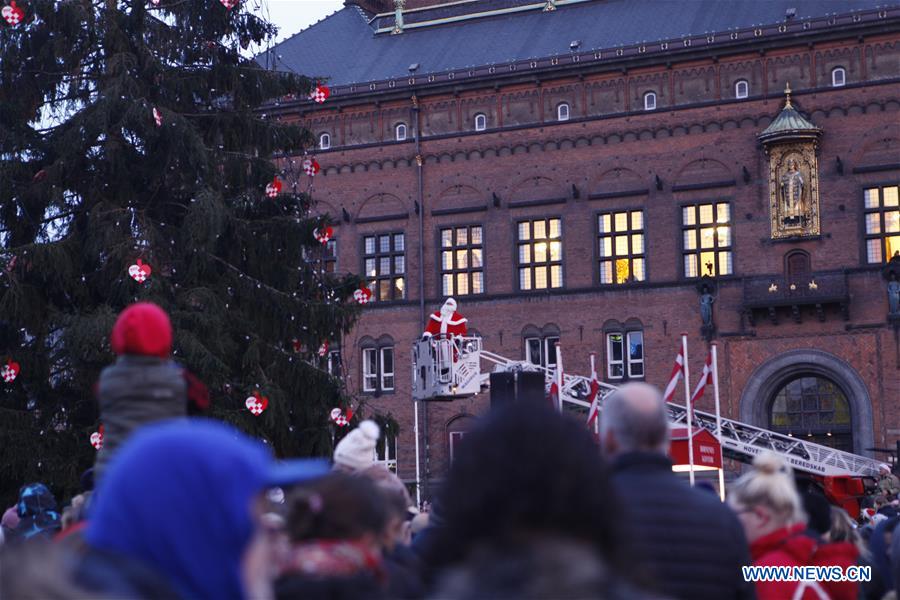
397	130
650	101
559	113
834	76
324	141
483	118
737	89
546	339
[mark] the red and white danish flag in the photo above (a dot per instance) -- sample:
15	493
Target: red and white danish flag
593	394
705	379
557	385
677	374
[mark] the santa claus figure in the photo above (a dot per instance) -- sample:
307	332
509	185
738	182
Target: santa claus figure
446	322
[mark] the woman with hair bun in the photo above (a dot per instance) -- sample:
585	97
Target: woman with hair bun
771	511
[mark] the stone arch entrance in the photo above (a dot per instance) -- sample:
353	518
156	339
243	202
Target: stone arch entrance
771	376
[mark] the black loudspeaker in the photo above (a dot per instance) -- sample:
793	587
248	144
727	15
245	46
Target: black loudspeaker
517	386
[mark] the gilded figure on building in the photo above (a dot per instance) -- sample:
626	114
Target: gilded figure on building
792	202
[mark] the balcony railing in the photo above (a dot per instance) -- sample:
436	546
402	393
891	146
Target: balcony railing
816	289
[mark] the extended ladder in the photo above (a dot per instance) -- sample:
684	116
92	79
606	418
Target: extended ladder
451	368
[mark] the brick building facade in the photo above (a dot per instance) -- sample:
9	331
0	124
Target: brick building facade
576	188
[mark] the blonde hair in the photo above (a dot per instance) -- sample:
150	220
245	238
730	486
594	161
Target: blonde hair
770	483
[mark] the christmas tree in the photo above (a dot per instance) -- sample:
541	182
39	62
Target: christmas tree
136	163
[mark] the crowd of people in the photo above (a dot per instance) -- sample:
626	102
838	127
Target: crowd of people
188	508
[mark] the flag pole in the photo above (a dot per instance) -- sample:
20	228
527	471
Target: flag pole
715	379
690	414
595	400
559	376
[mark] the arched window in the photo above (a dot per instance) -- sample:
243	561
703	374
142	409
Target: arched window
324	141
813	408
480	122
540	344
838	76
624	349
650	101
741	88
562	112
400	132
377	364
457	429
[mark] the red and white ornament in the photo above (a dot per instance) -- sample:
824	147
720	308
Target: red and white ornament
157	117
296	345
10	371
340	418
274	188
139	271
229	4
97	438
311	167
324	234
320	94
363	295
12	14
154	2
256	404
323	348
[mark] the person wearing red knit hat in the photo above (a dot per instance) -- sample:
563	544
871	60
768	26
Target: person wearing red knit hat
144	385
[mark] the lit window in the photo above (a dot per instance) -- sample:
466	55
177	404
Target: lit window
324	141
462	261
741	89
480	122
838	77
625	354
706	239
540	254
882	218
384	265
378	367
541	350
400	132
562	112
650	101
622	248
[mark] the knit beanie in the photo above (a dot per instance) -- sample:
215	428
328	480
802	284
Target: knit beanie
143	329
357	450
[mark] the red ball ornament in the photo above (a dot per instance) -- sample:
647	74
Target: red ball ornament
311	167
139	271
157	117
323	349
97	438
12	14
363	295
10	371
320	94
229	4
256	404
324	234
274	188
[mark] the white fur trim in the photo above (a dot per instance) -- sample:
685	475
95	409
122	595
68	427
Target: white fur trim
370	429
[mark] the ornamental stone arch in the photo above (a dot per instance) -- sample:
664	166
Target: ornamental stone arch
769	377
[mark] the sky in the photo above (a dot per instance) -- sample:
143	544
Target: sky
292	16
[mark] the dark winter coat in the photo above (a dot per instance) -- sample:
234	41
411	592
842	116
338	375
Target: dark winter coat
113	575
133	392
688	543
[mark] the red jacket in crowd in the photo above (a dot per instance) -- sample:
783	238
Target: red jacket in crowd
790	547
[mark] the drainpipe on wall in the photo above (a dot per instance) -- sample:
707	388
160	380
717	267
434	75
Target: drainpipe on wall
398	17
422	315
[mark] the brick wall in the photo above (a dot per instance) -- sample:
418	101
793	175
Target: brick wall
698	144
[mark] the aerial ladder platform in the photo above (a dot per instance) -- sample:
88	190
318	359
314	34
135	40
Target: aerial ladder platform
446	368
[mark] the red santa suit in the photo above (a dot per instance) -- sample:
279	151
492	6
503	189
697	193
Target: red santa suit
447	321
